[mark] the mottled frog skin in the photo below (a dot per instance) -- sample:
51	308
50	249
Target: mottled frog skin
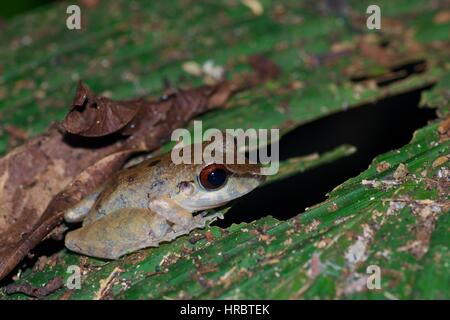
154	202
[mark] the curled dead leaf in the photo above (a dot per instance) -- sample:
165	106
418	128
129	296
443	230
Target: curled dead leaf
94	116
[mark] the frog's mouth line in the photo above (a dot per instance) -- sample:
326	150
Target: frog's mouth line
217	210
202	209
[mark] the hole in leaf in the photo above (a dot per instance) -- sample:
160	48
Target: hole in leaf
373	129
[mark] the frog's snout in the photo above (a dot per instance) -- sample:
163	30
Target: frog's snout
260	177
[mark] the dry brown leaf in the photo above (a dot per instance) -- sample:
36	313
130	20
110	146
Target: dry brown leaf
96	116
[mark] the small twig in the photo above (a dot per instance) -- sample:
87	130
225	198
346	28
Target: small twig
36	292
105	284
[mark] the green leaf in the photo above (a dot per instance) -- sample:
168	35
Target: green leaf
128	48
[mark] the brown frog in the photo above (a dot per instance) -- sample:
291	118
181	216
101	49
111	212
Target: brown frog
153	202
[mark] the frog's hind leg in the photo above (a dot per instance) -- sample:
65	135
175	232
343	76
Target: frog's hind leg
121	232
78	212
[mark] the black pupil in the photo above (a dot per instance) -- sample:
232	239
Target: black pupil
217	177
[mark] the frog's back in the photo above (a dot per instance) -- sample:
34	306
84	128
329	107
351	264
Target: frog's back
130	188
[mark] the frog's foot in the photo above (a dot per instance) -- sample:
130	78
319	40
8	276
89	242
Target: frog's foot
171	211
198	221
121	232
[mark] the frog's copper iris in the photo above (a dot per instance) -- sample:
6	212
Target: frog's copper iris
213	176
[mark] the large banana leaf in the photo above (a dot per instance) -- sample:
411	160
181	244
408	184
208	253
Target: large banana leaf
394	215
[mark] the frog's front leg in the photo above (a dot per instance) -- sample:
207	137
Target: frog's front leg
171	211
121	232
78	212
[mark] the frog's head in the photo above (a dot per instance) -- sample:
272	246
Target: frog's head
216	184
213	184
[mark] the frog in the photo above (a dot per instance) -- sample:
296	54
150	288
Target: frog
156	201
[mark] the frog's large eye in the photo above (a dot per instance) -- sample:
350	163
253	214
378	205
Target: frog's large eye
213	176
